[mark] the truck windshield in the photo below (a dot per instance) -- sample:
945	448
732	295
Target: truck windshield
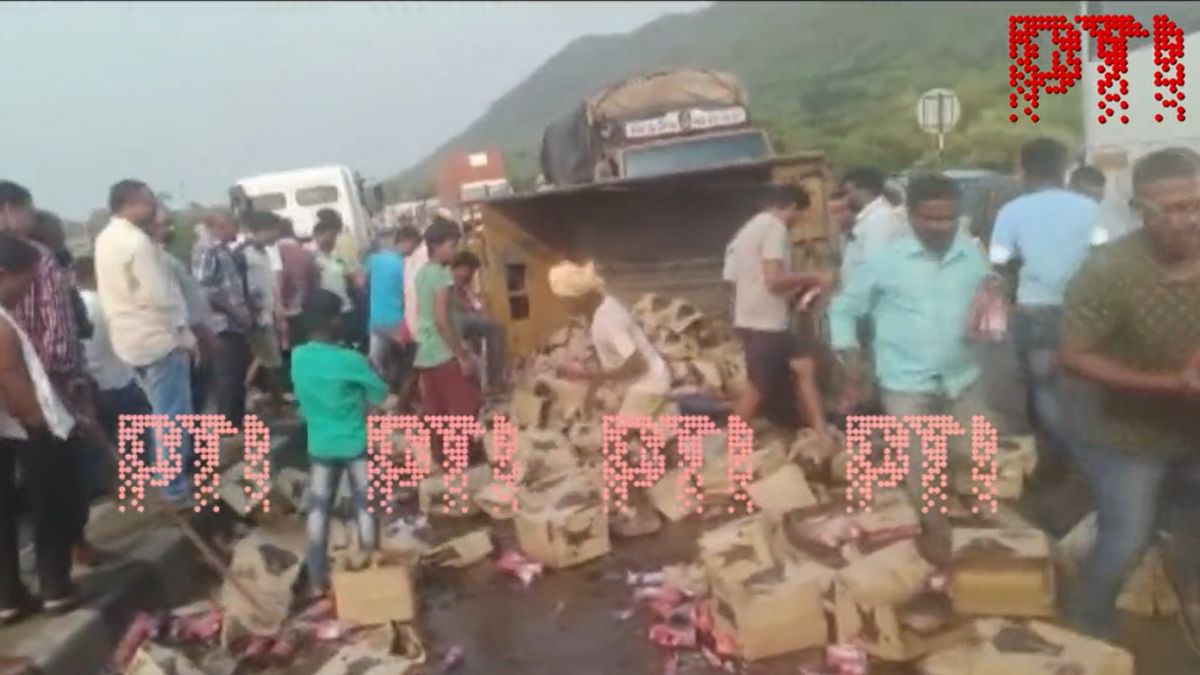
271	201
693	154
317	195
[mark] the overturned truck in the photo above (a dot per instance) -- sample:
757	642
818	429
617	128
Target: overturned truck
662	234
653	124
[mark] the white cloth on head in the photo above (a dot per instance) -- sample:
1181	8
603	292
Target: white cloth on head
569	280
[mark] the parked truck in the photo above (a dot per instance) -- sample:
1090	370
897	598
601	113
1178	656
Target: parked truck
467	178
651	125
663	232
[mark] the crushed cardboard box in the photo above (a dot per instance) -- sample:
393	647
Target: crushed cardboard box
737	550
783	490
1006	647
1002	572
775	611
527	410
882	604
462	551
241	495
360	660
497	500
671	497
153	659
544	454
565	524
379	593
268	570
435	499
395	639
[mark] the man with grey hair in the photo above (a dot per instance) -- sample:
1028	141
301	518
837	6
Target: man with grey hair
1131	328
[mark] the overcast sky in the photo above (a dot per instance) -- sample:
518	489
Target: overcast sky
192	96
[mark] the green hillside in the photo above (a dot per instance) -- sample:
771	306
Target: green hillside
842	77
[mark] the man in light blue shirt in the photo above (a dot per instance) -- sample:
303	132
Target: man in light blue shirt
918	291
1049	231
391	344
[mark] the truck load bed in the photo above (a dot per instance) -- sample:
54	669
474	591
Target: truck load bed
665	235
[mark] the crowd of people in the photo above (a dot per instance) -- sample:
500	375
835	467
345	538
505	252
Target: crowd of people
1106	331
132	330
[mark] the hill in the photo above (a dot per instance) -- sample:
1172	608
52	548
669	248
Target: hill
841	77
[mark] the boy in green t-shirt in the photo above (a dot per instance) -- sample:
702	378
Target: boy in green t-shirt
446	367
334	386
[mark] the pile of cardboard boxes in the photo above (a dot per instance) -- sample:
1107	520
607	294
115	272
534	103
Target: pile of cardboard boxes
799	572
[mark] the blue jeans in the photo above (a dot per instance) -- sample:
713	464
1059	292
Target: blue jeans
167	383
325	476
1129	491
970	402
1036	332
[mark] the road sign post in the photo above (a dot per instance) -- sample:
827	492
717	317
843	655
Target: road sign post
937	113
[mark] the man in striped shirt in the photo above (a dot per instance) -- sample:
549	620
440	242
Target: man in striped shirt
48	318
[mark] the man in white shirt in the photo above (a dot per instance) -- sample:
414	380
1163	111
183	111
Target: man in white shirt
876	220
119	391
147	315
625	353
758	264
262	267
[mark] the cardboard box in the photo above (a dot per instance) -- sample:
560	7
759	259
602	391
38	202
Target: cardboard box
882	604
462	551
670	498
434	498
1002	572
268	569
543	454
587	439
786	489
379	593
361	660
568	530
242	496
737	550
497	500
1035	647
776	611
153	659
528	410
1016	458
891	515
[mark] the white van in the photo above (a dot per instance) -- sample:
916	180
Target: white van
298	194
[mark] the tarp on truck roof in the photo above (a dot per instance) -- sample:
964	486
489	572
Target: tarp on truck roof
653	93
567	157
